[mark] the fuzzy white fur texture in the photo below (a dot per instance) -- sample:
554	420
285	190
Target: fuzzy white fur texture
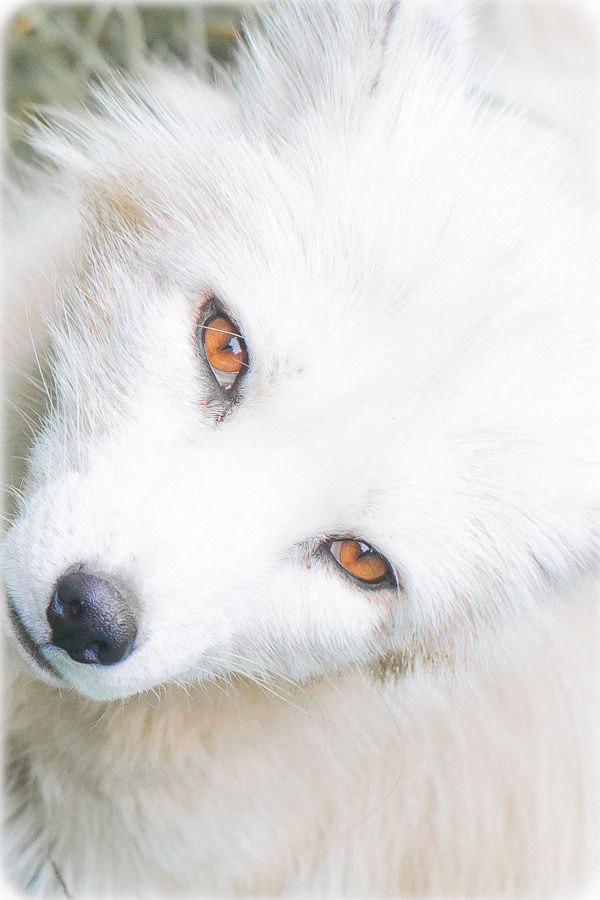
408	244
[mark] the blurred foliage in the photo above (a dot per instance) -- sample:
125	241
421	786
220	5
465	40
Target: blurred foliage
52	52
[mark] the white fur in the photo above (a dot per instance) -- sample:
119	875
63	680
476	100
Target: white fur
414	269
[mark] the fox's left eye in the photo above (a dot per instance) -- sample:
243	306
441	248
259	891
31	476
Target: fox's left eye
362	561
225	349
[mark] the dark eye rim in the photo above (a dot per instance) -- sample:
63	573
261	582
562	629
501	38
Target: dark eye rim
389	580
212	309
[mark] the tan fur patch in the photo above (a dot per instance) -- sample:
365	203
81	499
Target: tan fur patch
117	209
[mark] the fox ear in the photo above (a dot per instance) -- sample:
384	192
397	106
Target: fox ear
447	24
332	55
441	28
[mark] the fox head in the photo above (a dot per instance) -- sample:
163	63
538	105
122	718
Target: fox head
321	370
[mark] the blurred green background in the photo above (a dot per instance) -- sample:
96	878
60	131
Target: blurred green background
51	52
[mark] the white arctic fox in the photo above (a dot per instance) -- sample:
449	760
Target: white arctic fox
301	574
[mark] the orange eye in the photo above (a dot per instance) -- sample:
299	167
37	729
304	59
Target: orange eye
361	561
225	350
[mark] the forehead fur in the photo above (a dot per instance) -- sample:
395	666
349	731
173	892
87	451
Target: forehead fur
313	71
316	126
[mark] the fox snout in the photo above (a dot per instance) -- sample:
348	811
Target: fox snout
91	619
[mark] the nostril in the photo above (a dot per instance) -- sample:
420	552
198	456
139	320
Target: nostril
91	619
67	607
94	652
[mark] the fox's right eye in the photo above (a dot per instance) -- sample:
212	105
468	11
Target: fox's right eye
362	561
224	348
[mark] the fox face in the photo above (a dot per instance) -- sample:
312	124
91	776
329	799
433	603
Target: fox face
321	380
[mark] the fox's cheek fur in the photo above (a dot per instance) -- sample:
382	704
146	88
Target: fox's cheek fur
215	586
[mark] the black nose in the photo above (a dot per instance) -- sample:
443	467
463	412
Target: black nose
91	619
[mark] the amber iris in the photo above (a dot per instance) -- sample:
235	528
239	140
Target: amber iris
224	347
360	560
